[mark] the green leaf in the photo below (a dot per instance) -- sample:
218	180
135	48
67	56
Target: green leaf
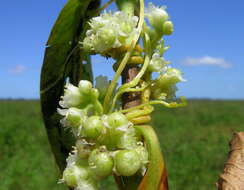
65	28
63	58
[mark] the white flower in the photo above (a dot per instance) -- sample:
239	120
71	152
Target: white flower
77	175
74	175
174	75
157	63
72	96
165	85
73	116
74	119
156	16
110	30
71	160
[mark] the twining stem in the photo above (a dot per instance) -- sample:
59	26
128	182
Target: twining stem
127	87
153	102
124	61
136	80
118	95
137	113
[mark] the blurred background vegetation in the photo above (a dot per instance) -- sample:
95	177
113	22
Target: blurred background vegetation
194	140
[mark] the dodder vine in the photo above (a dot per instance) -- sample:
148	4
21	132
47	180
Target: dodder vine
109	123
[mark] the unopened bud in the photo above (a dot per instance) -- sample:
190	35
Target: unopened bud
93	127
127	162
101	163
168	28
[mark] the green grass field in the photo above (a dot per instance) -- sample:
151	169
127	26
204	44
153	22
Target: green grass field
194	141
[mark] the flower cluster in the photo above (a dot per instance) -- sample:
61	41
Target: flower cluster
106	139
159	19
164	87
110	30
106	143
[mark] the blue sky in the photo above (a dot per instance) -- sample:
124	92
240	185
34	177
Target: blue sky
208	46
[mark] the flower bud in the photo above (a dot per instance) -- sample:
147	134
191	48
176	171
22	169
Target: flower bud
93	127
85	86
117	119
118	124
94	93
127	162
168	28
101	163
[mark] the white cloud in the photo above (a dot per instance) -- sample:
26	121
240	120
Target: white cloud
17	69
207	60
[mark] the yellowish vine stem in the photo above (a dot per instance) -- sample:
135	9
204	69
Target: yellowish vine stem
124	61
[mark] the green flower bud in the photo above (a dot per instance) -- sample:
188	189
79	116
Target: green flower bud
117	124
85	86
127	162
93	127
73	174
117	119
94	93
168	28
101	163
